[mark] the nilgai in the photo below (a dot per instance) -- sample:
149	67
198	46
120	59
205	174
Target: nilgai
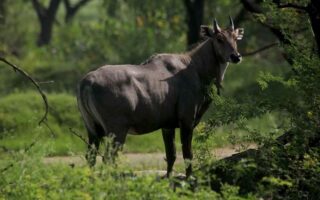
167	91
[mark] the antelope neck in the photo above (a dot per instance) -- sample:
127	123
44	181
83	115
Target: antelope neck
206	62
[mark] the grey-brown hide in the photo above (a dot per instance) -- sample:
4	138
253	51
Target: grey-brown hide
167	91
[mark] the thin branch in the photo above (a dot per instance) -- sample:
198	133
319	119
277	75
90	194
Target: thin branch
260	50
285	138
5	149
50	129
67	4
78	135
45	82
281	140
26	149
251	6
291	5
44	97
80	4
25	74
72	10
6	168
83	139
39	8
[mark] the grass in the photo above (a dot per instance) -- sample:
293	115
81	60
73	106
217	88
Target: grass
30	178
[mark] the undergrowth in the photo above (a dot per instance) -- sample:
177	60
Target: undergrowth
30	178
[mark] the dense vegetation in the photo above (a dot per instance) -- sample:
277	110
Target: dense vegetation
270	94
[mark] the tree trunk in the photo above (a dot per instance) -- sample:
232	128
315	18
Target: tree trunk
3	11
45	34
194	19
46	18
314	15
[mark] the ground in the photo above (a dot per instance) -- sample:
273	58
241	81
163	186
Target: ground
141	162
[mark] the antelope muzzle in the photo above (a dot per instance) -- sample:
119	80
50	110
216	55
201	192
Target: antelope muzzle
235	58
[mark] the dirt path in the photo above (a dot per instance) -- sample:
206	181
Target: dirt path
139	161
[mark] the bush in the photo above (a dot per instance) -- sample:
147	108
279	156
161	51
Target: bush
29	178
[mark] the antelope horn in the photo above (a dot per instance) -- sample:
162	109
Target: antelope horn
231	23
216	26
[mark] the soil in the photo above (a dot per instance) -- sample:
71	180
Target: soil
143	163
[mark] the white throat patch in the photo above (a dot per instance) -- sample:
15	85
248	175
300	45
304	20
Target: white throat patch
223	67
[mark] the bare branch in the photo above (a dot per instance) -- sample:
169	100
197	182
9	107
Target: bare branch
260	50
50	129
285	138
251	6
7	167
25	74
78	135
290	5
45	82
26	149
281	140
44	97
72	10
5	149
83	139
39	8
80	4
67	4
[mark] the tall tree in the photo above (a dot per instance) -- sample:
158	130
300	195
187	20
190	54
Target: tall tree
46	18
194	19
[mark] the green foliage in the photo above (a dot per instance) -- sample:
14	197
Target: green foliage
275	170
263	98
147	28
29	178
15	33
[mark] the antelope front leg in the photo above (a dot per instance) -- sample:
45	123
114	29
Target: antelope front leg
186	140
168	138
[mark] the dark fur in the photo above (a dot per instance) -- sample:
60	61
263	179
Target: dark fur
167	91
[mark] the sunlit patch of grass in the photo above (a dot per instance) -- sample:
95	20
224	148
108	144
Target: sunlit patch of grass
151	142
31	179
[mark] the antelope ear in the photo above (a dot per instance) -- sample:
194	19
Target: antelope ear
206	31
239	33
